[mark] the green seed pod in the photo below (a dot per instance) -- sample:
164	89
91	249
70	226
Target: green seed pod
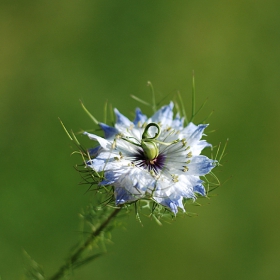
148	143
146	135
150	149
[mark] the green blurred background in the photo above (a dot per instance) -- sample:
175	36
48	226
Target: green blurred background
53	53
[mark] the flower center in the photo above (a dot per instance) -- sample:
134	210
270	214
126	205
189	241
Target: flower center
147	154
155	165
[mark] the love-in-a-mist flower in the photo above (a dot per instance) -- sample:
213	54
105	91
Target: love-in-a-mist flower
153	158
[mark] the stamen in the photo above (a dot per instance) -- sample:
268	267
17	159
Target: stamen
185	169
114	145
175	178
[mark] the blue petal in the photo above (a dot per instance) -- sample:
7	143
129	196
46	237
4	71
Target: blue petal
164	115
189	129
199	131
123	196
110	178
200	165
139	117
109	131
93	152
203	144
98	164
103	160
121	119
105	144
178	123
193	133
172	204
199	189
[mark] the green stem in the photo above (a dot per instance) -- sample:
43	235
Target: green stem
60	273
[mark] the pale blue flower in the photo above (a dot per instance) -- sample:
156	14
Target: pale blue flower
168	178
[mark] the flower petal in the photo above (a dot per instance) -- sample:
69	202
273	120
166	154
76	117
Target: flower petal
199	189
172	204
182	187
105	144
164	115
139	118
93	152
185	186
200	145
122	121
109	131
178	122
104	160
133	179
200	165
122	196
193	133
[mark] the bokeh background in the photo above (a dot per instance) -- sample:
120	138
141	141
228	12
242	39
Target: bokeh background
53	53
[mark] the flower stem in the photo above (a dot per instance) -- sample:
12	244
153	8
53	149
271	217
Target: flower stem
76	255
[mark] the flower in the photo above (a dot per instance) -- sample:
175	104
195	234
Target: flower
153	158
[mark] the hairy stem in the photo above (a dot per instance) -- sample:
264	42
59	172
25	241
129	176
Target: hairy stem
76	255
